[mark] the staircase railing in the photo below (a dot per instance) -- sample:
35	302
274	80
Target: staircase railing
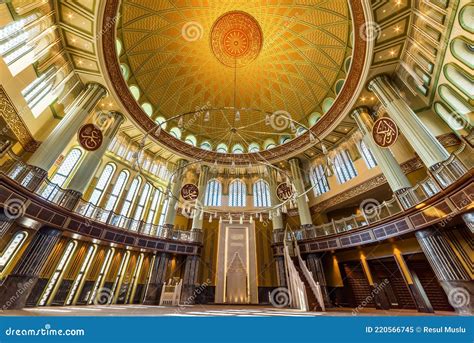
296	287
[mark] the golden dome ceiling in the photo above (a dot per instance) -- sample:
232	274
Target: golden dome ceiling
254	57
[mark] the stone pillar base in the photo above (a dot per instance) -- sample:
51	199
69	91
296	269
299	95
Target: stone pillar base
15	291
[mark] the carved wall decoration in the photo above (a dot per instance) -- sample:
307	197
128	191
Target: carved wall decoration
15	123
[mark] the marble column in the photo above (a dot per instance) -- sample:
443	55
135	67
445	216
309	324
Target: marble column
303	207
190	279
175	194
20	283
385	160
91	161
157	279
48	152
430	150
202	183
448	269
277	217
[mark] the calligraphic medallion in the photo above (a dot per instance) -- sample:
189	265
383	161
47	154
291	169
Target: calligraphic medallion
236	39
90	137
284	191
385	132
189	192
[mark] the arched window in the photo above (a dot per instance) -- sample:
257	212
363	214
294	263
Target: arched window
155	203
162	122
254	147
117	190
206	145
142	202
102	184
12	249
135	92
261	194
213	195
237	193
164	209
319	180
132	192
222	148
58	272
237	149
176	132
367	154
343	167
63	173
147	108
191	139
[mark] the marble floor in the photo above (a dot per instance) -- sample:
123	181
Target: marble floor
201	310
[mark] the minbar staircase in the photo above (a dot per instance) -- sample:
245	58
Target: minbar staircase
305	292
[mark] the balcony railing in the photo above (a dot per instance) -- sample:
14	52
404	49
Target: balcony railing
446	174
18	170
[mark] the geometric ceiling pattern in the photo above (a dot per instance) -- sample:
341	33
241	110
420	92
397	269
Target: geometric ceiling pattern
301	65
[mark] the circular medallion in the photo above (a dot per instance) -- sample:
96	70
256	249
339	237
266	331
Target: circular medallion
284	191
236	39
90	137
385	132
189	192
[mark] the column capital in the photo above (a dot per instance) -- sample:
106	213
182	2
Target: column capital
98	86
359	111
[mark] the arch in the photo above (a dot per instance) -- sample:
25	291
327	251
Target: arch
466	18
254	147
147	108
213	196
456	102
269	144
222	148
461	49
237	149
102	183
314	118
117	190
191	140
453	119
135	91
131	196
261	194
237	193
460	79
118	47
206	146
176	132
162	122
327	104
64	172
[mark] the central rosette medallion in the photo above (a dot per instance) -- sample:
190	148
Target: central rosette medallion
236	39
